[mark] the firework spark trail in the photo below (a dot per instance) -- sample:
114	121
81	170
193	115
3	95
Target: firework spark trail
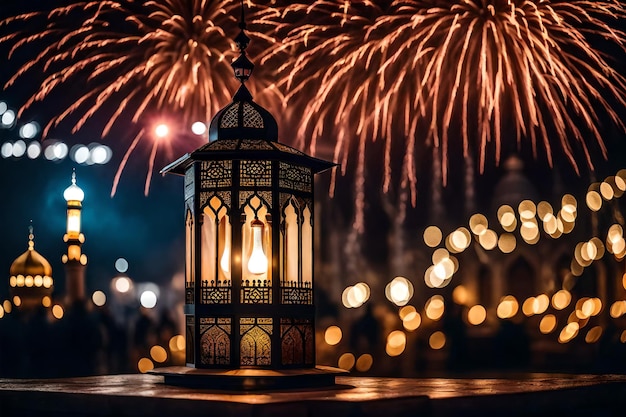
128	60
477	70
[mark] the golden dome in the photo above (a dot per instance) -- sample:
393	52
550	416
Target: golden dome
30	271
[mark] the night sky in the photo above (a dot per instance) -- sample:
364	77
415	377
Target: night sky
148	230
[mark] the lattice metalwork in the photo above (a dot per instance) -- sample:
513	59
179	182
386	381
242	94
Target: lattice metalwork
223	145
292	292
224	197
216	293
230	117
255	173
215	340
294	177
288	149
256	343
252	117
189	333
264	196
189	292
252	144
256	292
296	341
216	174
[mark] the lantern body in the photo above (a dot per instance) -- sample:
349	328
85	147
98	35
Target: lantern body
249	249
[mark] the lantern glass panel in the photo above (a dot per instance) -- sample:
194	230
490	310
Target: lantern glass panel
256	211
291	243
307	245
189	251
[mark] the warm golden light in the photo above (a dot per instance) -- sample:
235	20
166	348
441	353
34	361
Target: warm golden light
346	361
437	340
526	210
434	307
332	335
508	307
57	312
593	200
17	301
476	315
46	301
396	343
622	337
561	299
618	309
478	224
544	209
594	334
399	291
144	365
607	191
569	332
507	218
158	353
1	312
412	321
405	311
507	242
364	363
257	263
460	239
488	239
122	284
460	295
432	236
177	343
547	324
8	307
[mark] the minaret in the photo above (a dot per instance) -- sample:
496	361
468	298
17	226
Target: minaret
75	261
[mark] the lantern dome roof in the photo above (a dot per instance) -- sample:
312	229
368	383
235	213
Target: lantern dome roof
243	119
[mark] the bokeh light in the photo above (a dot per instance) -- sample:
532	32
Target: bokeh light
332	335
144	365
476	315
158	354
99	298
346	361
148	299
364	363
399	291
437	340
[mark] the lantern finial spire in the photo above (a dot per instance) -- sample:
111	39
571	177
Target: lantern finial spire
242	65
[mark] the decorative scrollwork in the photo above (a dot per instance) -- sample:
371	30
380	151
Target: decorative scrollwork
292	292
295	177
256	292
216	174
213	293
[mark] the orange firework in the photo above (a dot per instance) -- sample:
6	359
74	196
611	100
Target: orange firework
128	60
472	72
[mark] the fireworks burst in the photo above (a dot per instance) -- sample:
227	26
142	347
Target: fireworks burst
128	60
470	72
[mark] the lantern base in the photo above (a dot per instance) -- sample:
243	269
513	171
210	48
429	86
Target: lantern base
249	379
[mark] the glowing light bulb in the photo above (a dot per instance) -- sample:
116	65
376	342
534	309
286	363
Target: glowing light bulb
225	259
257	264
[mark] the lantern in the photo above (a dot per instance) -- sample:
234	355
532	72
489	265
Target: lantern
249	286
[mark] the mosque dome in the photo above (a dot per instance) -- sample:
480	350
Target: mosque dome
74	192
514	185
30	274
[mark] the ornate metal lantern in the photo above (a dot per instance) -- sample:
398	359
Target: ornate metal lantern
249	253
